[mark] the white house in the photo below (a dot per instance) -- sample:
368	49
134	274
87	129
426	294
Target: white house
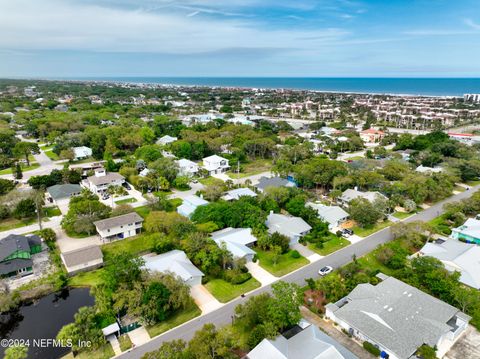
238	241
165	140
292	227
82	152
424	169
215	164
175	262
120	227
398	318
303	341
190	204
333	215
187	168
82	259
101	180
235	194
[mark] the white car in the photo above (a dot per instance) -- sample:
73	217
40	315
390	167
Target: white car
325	270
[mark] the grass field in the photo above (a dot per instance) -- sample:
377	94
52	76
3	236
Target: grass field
225	291
104	352
473	183
285	264
364	232
252	168
126	200
125	342
25	168
86	279
402	215
134	245
211	181
143	211
52	155
459	189
329	246
52	211
12	223
174	320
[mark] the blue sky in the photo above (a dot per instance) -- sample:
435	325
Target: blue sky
363	38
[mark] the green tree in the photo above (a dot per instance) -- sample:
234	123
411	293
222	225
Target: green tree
16	352
25	149
209	342
176	349
284	309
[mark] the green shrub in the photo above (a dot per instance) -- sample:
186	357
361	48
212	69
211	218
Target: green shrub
236	277
295	254
372	349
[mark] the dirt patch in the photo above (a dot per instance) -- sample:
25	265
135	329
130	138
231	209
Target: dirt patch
315	300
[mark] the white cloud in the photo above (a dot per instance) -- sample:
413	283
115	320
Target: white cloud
65	25
472	24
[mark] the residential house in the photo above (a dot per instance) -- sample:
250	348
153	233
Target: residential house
468	232
61	193
303	341
333	215
165	140
82	259
144	172
371	135
351	194
16	254
119	227
175	262
101	180
190	204
265	182
187	168
456	256
235	194
82	152
215	164
238	241
398	318
292	227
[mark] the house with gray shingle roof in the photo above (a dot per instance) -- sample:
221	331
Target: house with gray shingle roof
292	227
119	227
175	262
333	215
265	182
457	256
60	192
304	341
82	259
398	318
351	194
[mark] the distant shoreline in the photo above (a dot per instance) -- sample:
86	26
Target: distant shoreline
395	86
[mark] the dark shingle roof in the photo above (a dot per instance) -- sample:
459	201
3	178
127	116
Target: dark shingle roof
60	191
265	182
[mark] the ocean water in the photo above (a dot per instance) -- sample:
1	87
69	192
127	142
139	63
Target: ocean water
407	86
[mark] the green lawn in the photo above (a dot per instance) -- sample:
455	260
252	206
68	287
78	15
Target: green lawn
285	264
25	168
134	245
473	183
329	246
252	168
440	225
12	223
364	232
174	320
402	215
52	211
126	200
104	352
370	261
211	181
225	291
143	211
459	189
125	342
86	279
52	155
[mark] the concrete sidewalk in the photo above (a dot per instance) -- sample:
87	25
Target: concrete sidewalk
306	252
260	274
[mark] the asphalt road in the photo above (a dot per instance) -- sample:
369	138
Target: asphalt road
223	315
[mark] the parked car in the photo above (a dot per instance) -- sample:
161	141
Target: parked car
105	196
346	232
325	270
127	186
195	181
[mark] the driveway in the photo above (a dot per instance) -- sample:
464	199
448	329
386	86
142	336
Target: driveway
468	346
195	187
306	252
260	274
222	176
66	244
253	178
139	336
204	299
